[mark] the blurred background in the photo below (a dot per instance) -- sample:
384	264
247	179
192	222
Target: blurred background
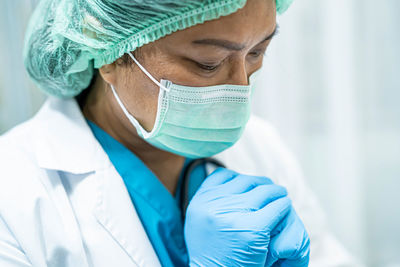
330	86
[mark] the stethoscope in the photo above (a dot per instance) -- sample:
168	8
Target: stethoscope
184	197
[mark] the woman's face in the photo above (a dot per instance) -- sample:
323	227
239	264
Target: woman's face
223	51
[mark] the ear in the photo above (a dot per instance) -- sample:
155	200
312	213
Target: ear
108	72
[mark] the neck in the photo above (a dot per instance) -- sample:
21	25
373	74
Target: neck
97	107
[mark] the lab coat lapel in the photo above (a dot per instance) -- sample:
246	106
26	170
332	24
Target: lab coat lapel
117	214
64	142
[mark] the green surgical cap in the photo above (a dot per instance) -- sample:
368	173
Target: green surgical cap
67	39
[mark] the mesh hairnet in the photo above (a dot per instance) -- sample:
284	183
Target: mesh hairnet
67	39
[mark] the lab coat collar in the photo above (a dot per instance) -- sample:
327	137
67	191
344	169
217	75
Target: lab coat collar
64	140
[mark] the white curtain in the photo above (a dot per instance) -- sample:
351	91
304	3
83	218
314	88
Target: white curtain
329	85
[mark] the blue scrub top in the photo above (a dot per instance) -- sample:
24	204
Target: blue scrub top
157	209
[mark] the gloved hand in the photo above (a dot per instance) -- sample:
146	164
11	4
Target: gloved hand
240	220
290	244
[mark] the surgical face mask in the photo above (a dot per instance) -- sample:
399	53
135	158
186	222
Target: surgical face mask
196	122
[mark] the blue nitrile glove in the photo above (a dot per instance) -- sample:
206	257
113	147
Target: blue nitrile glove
290	244
237	220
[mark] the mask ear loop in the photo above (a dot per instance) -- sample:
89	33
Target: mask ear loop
132	119
147	73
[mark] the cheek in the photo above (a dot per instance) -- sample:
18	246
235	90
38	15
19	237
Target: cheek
141	98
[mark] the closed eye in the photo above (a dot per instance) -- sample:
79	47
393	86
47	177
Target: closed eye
257	53
208	68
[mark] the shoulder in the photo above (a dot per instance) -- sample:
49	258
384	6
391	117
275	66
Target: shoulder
16	147
260	130
19	146
261	151
262	139
260	123
19	171
27	208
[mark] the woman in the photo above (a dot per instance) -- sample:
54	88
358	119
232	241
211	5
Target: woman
138	91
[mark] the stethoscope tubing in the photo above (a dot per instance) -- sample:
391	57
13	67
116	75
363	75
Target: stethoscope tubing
184	198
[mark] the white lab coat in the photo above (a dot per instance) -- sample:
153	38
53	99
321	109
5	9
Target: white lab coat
63	204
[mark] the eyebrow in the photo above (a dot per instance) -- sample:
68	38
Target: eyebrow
231	45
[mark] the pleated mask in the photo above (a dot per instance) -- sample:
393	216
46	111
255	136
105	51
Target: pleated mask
196	122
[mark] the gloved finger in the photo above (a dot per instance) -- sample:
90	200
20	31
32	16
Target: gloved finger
268	217
291	247
217	177
244	183
282	225
262	195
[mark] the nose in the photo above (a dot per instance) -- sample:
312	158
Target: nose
239	74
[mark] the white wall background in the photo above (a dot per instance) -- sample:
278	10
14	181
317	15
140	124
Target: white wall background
331	86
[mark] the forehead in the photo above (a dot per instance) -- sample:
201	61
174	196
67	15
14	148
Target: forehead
252	23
